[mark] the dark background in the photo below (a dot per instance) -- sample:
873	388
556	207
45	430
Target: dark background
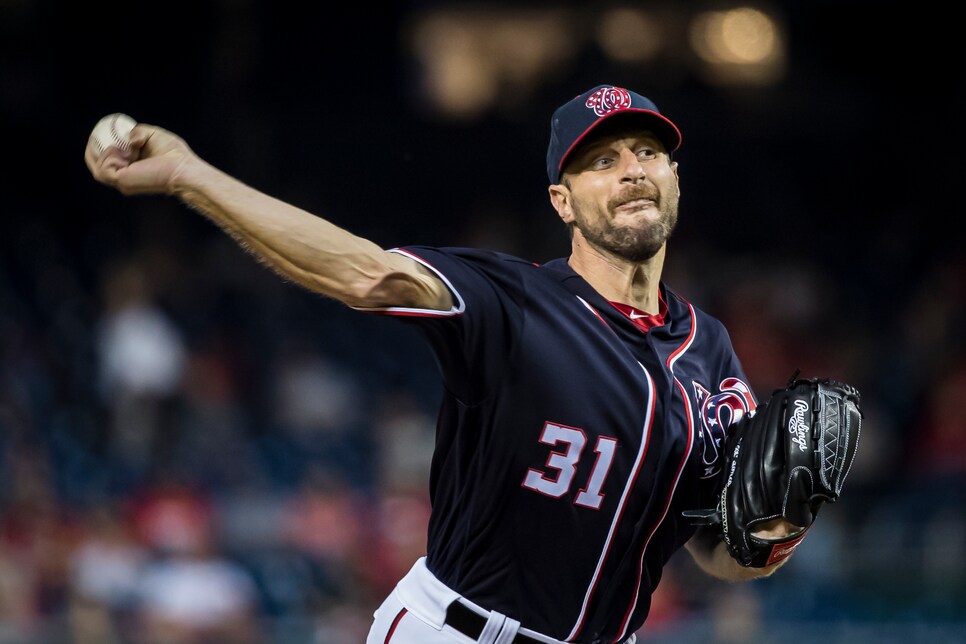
820	221
862	127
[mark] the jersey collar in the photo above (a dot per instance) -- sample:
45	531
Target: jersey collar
616	311
641	319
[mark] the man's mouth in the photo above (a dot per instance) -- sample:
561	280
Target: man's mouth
635	204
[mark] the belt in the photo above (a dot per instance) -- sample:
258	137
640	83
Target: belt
470	624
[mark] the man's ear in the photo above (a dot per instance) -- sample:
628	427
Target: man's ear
677	182
560	200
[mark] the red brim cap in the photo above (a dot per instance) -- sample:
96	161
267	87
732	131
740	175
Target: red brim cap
575	119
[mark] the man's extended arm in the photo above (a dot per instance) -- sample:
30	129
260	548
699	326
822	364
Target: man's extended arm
297	244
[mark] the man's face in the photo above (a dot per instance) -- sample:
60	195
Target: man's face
622	194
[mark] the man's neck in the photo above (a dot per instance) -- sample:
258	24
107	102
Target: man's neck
618	279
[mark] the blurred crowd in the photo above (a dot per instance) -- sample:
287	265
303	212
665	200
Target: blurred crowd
193	451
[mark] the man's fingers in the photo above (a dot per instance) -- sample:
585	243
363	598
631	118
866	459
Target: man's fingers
112	161
776	529
105	166
140	134
89	159
145	167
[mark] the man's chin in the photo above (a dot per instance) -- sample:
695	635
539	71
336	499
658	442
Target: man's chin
633	250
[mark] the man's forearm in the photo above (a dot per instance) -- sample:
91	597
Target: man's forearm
301	246
711	555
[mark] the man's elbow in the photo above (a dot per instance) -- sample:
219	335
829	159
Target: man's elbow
398	289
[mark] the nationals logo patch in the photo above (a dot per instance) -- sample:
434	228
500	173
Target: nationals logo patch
609	99
716	412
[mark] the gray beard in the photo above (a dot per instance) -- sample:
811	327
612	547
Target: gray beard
635	244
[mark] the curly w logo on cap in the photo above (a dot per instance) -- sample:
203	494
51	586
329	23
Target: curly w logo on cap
609	99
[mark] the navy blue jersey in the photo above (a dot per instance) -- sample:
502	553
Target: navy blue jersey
569	440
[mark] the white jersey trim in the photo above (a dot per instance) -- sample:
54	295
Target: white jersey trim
619	513
667	506
692	428
458	308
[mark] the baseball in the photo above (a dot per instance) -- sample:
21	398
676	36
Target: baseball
112	131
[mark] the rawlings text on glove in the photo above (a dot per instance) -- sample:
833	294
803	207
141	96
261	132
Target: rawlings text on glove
784	461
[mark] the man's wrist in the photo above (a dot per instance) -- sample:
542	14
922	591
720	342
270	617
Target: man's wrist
706	538
190	176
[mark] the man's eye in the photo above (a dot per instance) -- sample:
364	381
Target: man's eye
646	153
602	162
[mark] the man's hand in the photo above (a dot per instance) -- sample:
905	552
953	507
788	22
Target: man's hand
152	165
300	246
777	529
784	462
708	549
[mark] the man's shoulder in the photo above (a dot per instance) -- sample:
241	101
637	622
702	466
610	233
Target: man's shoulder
460	251
481	257
473	268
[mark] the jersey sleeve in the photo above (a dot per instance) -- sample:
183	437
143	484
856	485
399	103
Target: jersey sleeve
473	341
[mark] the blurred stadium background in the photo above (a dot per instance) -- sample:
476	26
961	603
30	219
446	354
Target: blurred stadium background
193	451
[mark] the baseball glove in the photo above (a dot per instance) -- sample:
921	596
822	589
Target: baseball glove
785	459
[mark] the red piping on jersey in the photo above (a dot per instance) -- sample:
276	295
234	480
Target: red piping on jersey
594	311
395	623
667	506
677	353
677	477
642	452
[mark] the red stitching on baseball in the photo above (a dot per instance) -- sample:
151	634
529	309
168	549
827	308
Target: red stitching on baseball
121	144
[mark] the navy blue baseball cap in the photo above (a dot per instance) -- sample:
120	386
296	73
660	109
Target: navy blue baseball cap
575	119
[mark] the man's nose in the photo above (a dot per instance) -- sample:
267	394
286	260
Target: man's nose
633	169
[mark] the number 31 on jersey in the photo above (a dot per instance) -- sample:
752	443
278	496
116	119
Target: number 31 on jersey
558	476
